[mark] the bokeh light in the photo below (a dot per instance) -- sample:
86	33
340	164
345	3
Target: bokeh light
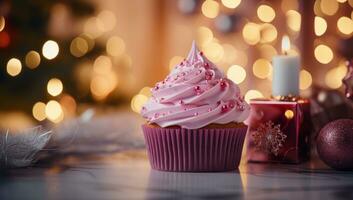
253	94
289	5
102	85
289	114
115	46
333	78
79	47
345	25
262	68
54	111
267	51
210	8
305	79
204	36
32	59
137	102
108	20
293	20
268	33
320	26
50	49
323	54
102	65
266	13
251	33
38	111
174	61
214	51
55	87
329	7
236	73
231	3
14	67
230	54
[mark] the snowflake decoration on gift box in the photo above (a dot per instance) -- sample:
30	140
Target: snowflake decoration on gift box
269	137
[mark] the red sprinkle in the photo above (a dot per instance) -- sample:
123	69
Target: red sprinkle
224	108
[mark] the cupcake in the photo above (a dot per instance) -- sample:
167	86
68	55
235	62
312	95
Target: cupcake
195	119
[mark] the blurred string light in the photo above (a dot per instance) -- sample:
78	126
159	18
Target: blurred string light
78	47
268	33
293	20
210	8
345	25
54	112
305	79
289	5
213	51
267	51
329	7
2	23
50	49
230	54
174	61
107	19
341	1
38	111
102	85
137	102
68	105
32	59
262	68
251	33
146	91
334	76
231	3
93	27
204	36
115	46
266	13
320	26
253	94
236	73
14	67
102	65
54	87
323	54
90	41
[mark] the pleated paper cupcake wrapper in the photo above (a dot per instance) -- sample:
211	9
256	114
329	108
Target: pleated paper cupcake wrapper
205	149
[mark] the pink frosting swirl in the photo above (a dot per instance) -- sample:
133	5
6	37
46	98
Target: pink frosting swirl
195	94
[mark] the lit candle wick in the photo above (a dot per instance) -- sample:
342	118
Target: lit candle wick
285	45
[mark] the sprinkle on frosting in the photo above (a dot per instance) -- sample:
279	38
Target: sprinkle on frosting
195	94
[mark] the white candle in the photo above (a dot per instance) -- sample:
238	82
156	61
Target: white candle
285	80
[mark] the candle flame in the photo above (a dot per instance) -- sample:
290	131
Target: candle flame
285	44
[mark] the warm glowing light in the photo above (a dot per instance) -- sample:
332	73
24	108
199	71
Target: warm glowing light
146	91
329	7
204	36
231	3
268	33
267	51
253	94
90	41
334	76
293	20
108	20
214	51
94	27
251	33
50	49
341	1
69	105
137	102
175	61
266	13
54	111
38	111
79	47
285	44
54	87
305	79
32	59
289	5
230	54
320	26
345	25
101	86
289	114
236	73
323	54
2	23
210	8
115	46
14	67
102	65
262	68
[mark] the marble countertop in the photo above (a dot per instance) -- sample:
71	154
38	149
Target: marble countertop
127	175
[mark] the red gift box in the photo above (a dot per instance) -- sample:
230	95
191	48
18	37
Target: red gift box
279	131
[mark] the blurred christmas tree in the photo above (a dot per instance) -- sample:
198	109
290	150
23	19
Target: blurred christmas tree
35	48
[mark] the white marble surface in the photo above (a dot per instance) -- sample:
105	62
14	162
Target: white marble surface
128	176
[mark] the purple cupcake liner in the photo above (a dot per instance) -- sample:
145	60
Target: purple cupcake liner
199	150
